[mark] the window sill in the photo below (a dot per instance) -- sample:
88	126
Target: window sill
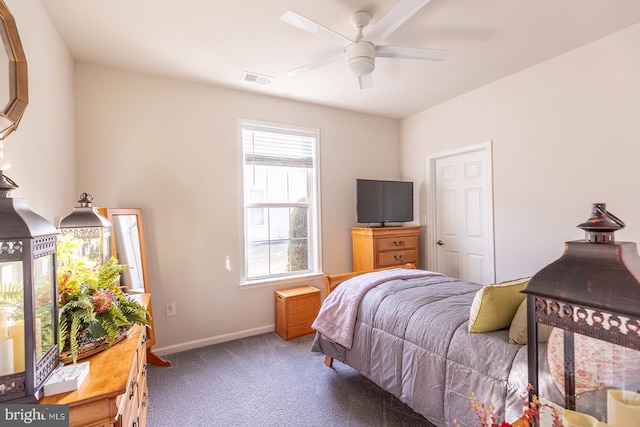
302	279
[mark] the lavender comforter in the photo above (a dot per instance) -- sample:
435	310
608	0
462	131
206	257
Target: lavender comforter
410	338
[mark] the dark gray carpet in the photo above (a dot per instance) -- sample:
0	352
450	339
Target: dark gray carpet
266	381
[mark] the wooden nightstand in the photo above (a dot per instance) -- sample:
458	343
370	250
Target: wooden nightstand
296	309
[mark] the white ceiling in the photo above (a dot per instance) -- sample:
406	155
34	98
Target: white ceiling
214	42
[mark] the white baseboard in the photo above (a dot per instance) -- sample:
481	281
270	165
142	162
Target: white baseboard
212	340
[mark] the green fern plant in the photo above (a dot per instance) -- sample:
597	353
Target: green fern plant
10	292
11	297
90	299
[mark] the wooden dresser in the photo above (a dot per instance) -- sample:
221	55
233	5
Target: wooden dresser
381	247
115	392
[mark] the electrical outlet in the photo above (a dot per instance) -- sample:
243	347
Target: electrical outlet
171	308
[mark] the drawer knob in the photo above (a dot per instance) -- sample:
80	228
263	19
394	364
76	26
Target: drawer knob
132	393
398	257
398	243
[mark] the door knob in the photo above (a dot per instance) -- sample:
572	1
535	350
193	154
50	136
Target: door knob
439	243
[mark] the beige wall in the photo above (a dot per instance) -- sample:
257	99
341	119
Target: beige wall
42	150
171	148
565	134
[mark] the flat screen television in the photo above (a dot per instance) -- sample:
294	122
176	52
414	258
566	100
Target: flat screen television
380	201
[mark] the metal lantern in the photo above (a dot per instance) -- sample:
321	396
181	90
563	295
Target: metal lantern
28	299
589	301
91	228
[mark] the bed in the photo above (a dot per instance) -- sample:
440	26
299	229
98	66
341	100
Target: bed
410	335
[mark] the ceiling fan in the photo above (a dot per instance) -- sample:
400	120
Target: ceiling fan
361	53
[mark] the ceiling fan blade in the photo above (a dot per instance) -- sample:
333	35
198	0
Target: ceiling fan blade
315	64
412	53
366	82
397	16
306	24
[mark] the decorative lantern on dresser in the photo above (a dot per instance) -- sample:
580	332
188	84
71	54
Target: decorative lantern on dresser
28	302
590	364
93	230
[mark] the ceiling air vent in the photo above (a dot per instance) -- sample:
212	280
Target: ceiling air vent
256	78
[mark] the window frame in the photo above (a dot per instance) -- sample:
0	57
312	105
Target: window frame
313	190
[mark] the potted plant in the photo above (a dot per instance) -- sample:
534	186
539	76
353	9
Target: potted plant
94	311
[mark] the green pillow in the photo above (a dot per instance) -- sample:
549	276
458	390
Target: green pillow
518	328
494	306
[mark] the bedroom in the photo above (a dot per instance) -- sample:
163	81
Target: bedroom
565	134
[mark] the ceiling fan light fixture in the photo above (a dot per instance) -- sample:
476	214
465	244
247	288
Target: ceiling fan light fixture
361	58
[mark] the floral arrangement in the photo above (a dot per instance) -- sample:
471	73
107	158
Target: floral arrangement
91	302
487	414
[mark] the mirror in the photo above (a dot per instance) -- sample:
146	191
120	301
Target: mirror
127	244
130	250
14	94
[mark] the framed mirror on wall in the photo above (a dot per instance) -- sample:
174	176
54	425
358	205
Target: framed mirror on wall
14	89
128	245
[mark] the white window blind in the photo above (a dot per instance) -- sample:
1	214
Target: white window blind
277	146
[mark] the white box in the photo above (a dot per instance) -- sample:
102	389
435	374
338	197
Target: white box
66	378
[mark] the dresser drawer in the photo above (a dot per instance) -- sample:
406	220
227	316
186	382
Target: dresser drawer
129	400
397	243
388	259
138	414
129	412
144	400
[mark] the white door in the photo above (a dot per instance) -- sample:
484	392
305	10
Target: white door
460	235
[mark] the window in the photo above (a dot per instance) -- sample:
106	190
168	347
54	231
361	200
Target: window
280	209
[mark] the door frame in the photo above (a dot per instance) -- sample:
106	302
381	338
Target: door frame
487	148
